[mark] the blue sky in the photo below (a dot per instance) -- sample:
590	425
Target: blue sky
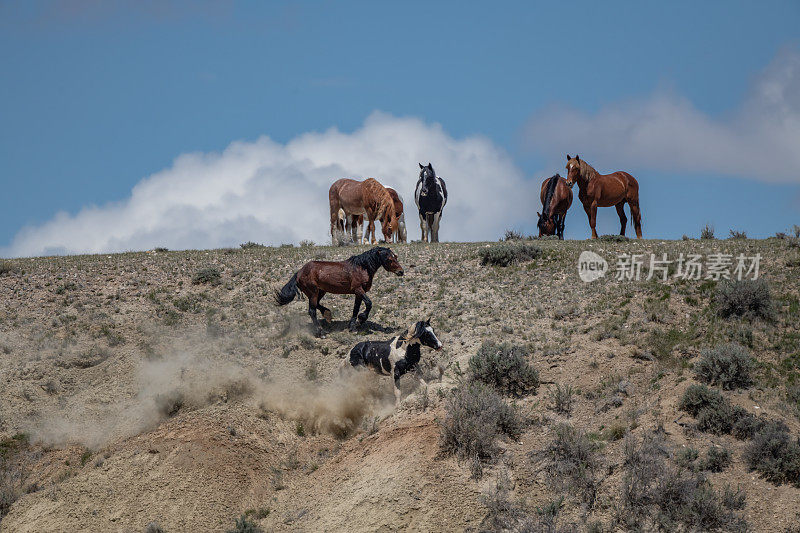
97	96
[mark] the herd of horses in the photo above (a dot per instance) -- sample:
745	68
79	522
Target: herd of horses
351	201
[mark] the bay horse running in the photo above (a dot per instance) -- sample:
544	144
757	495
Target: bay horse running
604	190
397	356
368	198
400	234
352	276
556	199
431	197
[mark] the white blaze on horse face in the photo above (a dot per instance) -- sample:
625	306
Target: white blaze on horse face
438	342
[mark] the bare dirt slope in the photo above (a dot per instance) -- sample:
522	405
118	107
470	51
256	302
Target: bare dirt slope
130	394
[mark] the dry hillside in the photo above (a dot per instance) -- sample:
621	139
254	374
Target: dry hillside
165	387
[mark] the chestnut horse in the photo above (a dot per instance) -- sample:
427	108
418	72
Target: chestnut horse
366	197
400	234
353	276
556	198
604	190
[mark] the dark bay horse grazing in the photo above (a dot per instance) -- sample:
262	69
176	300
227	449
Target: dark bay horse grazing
400	234
431	197
353	276
605	190
556	198
366	197
397	356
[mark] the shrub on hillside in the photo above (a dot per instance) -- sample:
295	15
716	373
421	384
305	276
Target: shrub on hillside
513	235
244	525
748	297
660	495
699	397
572	461
207	275
504	367
249	245
508	253
475	416
707	232
728	365
775	454
735	234
717	459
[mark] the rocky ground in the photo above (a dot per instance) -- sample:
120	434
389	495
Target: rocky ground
166	387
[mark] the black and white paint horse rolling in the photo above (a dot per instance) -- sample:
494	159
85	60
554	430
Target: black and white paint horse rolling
398	355
431	197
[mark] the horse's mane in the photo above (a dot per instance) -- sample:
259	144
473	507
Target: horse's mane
371	260
588	171
548	195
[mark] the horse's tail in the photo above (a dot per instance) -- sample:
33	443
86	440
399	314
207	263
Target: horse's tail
288	292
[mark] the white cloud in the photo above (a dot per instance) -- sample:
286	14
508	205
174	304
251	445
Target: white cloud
759	140
273	193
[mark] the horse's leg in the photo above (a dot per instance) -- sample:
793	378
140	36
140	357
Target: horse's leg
424	237
435	228
623	220
367	308
371	231
561	223
353	324
637	217
334	224
588	209
313	299
326	313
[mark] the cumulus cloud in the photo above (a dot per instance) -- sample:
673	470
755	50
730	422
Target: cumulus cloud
274	193
665	132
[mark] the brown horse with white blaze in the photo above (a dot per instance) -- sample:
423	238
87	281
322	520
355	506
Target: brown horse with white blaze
366	197
556	199
605	190
352	276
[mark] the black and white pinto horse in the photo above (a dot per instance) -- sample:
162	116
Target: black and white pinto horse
398	355
431	197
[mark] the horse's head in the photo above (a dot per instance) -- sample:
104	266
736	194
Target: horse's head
388	217
428	178
423	332
389	261
546	225
573	170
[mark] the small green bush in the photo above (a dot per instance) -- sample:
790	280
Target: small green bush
717	459
475	416
513	235
748	298
7	268
249	245
207	275
561	399
658	495
504	367
774	454
699	397
735	234
572	460
728	366
508	253
707	232
244	525
614	238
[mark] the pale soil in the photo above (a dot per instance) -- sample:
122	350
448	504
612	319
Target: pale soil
192	417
